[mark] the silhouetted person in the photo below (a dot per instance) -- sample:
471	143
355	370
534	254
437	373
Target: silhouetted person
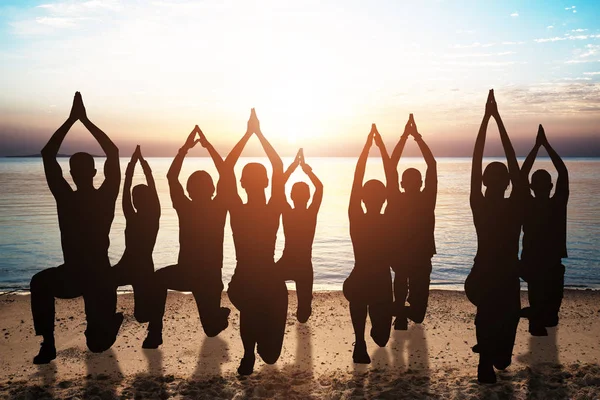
84	217
201	232
493	283
544	239
136	266
256	289
299	224
413	221
369	286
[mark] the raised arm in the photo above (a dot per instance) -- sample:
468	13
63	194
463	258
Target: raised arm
390	176
54	176
562	183
290	170
128	209
112	169
277	181
397	152
476	166
530	159
318	196
355	207
176	190
150	181
509	151
431	173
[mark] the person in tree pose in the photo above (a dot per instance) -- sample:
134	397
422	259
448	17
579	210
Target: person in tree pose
201	233
84	217
413	214
136	267
256	289
544	239
369	286
299	224
493	283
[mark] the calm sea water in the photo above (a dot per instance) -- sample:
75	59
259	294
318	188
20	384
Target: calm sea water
30	238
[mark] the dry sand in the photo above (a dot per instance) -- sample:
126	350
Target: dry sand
432	360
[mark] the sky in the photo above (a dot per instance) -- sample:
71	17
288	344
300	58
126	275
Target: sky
317	72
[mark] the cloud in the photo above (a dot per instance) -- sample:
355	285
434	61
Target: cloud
550	27
515	14
570	8
577	79
511	43
567	37
475	55
578	30
553	39
592	73
472	45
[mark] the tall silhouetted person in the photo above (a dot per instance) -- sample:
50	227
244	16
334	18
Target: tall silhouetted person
299	224
369	286
413	222
201	232
256	289
141	208
544	238
493	283
84	217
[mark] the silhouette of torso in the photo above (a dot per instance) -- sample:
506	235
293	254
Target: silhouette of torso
140	238
498	225
201	232
254	235
545	229
299	228
369	234
85	218
414	224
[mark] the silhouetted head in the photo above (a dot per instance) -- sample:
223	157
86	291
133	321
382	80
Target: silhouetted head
83	169
254	177
541	184
142	198
496	178
411	180
300	194
373	195
200	186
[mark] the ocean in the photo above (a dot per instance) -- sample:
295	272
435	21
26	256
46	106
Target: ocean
30	237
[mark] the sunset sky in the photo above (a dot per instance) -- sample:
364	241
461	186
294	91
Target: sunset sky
318	72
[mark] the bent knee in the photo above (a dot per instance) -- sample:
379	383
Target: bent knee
381	341
269	357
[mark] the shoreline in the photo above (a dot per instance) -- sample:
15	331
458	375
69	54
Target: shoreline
430	360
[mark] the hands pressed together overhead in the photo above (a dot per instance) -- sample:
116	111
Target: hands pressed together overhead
78	109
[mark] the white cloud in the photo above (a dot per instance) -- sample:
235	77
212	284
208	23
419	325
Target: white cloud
567	37
592	73
554	39
578	30
472	45
570	8
515	14
550	27
577	79
475	55
512	43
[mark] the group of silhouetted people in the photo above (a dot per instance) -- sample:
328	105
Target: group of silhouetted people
399	239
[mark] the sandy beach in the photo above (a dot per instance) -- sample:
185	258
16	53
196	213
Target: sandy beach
432	360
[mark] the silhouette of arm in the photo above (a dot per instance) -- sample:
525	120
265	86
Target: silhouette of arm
227	180
278	182
178	196
355	208
511	157
151	184
112	169
431	173
56	182
290	170
216	157
128	209
318	196
391	173
562	183
397	152
476	166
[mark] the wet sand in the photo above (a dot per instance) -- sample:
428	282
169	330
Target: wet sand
431	360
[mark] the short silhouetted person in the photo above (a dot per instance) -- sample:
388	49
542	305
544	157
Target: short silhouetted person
84	217
544	238
369	286
299	224
201	233
256	289
141	208
493	283
412	214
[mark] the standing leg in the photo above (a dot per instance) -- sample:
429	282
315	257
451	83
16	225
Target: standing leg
304	286
536	293
100	298
400	292
555	296
208	299
61	282
271	331
248	334
419	290
358	313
